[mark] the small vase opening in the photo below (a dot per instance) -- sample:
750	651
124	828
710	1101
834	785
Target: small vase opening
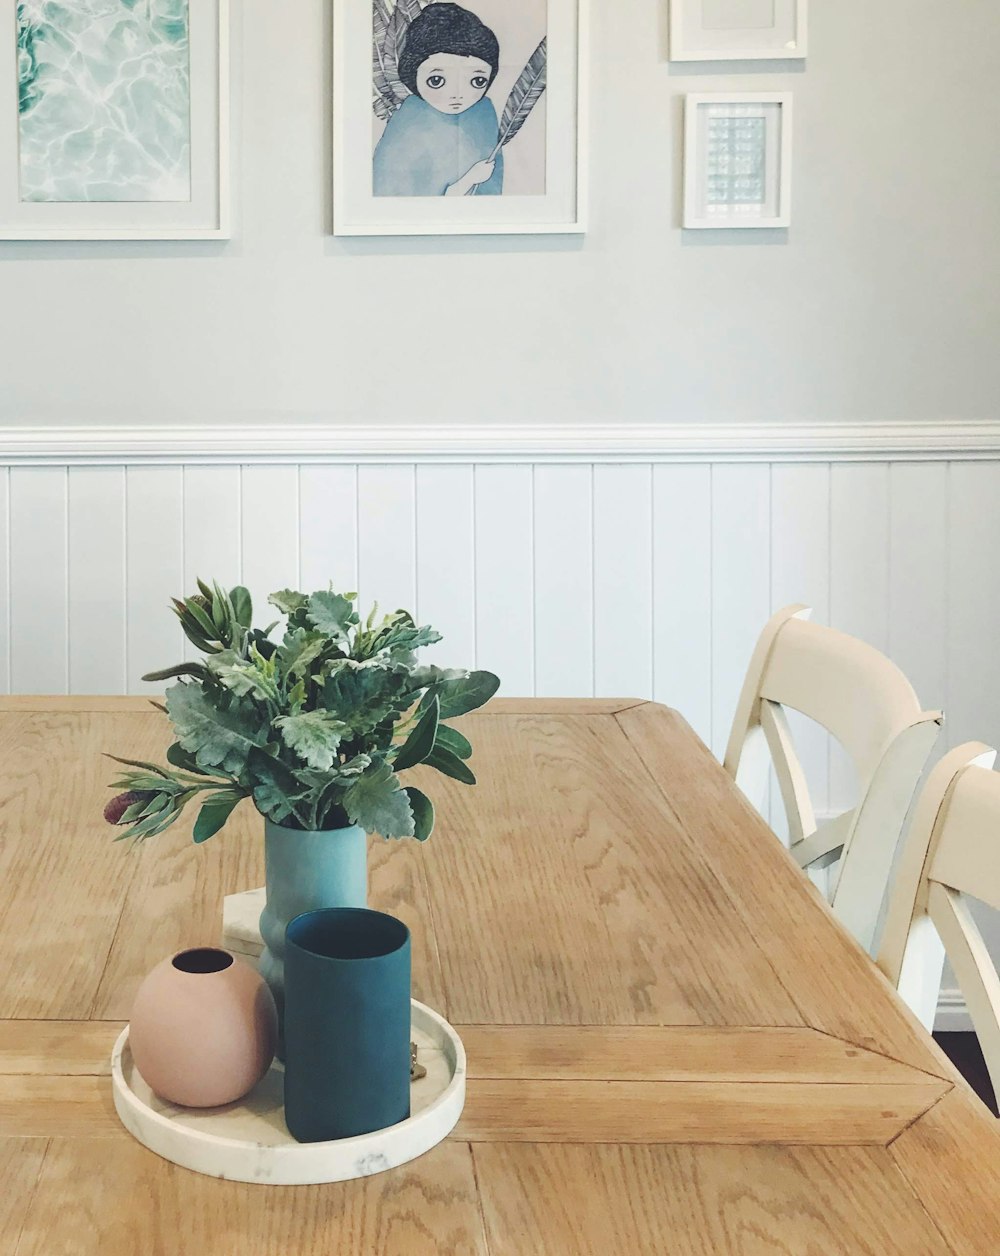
203	960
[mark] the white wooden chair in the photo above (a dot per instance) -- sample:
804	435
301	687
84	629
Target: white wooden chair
952	850
869	706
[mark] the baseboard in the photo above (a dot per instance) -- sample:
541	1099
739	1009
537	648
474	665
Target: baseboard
524	442
952	1014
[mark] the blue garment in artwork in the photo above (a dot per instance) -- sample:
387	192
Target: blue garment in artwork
422	151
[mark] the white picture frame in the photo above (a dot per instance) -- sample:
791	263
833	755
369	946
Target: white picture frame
204	215
738	30
737	160
560	209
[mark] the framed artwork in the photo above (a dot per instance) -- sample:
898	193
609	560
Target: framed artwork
115	120
738	160
737	30
458	119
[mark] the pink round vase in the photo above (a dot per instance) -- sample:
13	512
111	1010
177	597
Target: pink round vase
203	1028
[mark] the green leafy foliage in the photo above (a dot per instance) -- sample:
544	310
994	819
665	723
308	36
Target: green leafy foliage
314	726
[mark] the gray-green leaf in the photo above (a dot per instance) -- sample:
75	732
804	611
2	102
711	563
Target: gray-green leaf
214	813
314	736
378	803
453	740
242	606
217	738
331	613
450	764
420	742
288	601
423	813
461	696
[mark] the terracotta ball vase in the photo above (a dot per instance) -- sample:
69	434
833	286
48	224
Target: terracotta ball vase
203	1028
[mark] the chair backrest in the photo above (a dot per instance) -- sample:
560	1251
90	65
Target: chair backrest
952	851
862	699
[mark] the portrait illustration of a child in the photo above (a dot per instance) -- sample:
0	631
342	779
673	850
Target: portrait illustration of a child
442	140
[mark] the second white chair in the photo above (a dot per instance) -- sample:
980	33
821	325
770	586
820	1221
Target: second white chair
866	703
952	852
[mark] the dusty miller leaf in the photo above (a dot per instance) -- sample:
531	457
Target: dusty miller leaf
314	736
331	613
378	803
217	738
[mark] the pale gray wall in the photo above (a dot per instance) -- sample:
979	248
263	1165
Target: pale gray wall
881	303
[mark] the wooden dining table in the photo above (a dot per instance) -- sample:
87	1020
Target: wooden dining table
673	1047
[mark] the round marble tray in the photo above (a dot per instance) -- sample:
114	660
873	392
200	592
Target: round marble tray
248	1141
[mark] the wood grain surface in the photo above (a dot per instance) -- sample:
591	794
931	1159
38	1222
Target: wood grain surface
137	1204
673	1047
699	1201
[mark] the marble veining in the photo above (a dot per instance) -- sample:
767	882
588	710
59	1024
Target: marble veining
104	100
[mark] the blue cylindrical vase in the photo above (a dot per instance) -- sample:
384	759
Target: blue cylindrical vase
347	1024
306	871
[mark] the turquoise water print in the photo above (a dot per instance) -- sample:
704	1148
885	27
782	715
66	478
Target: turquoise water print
104	98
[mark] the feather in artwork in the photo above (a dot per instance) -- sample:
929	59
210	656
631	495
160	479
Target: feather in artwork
524	95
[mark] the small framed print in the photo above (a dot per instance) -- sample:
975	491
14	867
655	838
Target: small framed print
738	160
114	122
458	118
737	30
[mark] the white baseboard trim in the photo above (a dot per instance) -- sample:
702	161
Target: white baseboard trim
952	1013
109	445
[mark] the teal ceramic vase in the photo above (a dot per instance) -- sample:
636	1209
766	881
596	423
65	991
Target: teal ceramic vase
306	871
347	1025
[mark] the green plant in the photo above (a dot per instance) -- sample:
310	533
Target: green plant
315	729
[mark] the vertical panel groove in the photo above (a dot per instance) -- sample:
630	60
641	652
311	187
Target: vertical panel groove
534	587
125	583
475	570
66	577
7	585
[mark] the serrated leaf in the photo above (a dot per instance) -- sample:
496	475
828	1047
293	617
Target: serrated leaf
299	650
451	739
365	695
420	742
314	736
423	813
458	697
288	601
451	765
377	802
183	759
217	738
214	813
331	613
242	605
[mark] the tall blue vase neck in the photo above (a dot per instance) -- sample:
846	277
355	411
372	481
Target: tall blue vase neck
307	871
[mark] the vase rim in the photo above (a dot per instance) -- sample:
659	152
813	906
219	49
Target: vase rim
203	961
395	934
271	826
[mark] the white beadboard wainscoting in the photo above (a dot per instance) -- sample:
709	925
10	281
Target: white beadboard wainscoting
567	573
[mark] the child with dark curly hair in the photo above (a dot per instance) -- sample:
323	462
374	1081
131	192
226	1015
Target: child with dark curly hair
442	140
